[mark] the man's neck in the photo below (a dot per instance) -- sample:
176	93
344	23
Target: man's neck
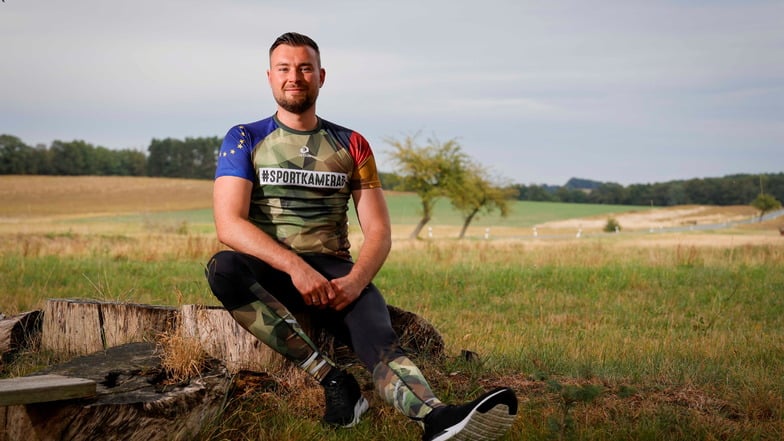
303	122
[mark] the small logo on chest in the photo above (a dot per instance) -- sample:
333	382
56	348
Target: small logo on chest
304	152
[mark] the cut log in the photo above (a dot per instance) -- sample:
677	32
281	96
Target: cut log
72	327
417	336
79	327
222	338
133	402
17	333
127	323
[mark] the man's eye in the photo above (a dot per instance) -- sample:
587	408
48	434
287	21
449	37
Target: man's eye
307	69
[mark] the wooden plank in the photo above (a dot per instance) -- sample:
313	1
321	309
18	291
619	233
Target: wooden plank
139	406
44	388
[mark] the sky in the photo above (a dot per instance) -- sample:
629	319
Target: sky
537	92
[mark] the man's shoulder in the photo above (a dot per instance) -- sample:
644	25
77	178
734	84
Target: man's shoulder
331	126
342	133
256	129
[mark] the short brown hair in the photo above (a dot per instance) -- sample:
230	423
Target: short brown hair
295	39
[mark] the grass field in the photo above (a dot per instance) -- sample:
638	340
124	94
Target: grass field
628	336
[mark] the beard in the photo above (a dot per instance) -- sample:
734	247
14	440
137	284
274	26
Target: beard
296	105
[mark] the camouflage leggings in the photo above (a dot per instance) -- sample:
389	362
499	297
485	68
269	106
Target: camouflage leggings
263	299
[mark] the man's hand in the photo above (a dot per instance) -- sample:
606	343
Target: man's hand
346	289
315	289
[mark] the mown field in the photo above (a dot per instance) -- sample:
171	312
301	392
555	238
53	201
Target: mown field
629	336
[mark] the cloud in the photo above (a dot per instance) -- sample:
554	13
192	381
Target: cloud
565	82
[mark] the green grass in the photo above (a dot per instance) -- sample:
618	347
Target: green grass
627	318
32	280
602	340
674	345
406	209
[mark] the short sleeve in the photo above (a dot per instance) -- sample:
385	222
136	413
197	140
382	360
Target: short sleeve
235	157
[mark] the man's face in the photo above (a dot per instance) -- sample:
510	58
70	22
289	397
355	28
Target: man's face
295	77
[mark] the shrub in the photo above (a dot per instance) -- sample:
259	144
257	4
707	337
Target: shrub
612	226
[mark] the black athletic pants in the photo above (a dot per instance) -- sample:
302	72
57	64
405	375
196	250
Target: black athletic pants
364	325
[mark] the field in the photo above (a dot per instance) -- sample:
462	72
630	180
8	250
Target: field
645	334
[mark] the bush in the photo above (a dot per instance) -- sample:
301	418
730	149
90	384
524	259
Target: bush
612	226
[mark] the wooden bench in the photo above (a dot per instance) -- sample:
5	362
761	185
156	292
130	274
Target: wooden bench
44	388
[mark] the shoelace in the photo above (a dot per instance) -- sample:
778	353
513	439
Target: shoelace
334	394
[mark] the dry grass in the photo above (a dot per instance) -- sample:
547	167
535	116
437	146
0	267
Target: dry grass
182	357
549	320
142	247
61	204
658	218
29	197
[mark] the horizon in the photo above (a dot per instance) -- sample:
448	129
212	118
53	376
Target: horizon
545	184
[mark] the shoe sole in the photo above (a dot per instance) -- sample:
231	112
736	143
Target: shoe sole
360	407
489	420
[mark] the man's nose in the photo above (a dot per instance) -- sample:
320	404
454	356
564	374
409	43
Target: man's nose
294	75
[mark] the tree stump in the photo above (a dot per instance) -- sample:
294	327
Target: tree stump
80	327
133	401
222	338
18	332
417	335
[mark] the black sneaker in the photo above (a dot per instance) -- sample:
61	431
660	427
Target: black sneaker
344	401
486	418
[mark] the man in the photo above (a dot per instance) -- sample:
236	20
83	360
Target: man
280	200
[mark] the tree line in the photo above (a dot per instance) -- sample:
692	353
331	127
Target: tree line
435	169
738	189
192	158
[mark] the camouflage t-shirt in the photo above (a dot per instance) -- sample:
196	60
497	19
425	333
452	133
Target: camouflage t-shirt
302	181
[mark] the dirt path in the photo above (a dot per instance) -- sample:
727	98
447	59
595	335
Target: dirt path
660	218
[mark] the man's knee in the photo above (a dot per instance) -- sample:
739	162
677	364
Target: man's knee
222	263
228	276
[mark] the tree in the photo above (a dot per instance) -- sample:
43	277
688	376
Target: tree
608	193
765	203
15	156
428	171
203	156
132	163
193	158
473	193
72	158
576	195
164	158
539	193
390	181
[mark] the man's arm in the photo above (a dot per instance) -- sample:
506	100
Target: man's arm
231	204
373	217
